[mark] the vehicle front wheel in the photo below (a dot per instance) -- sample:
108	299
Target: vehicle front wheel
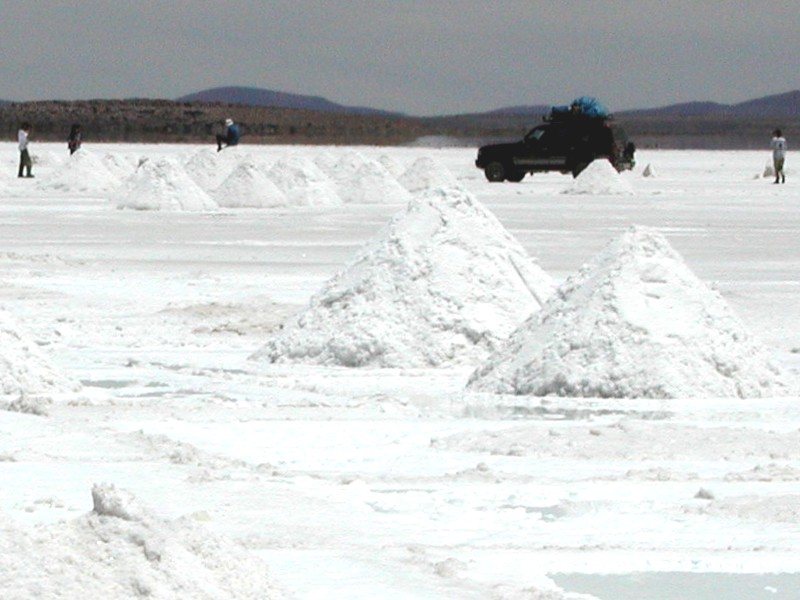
495	171
578	168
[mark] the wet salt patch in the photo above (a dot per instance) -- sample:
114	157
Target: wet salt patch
633	322
442	283
630	440
599	178
662	585
163	185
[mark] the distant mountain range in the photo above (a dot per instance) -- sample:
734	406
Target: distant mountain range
778	105
250	96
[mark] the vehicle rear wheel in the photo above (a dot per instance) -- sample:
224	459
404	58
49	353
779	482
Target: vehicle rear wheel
495	171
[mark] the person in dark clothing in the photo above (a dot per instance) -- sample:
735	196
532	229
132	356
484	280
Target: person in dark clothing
231	137
25	163
74	139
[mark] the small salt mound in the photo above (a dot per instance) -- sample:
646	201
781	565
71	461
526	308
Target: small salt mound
633	322
163	185
207	169
442	283
303	182
425	173
391	165
347	166
123	550
326	161
373	184
121	166
249	186
83	172
24	369
48	159
599	178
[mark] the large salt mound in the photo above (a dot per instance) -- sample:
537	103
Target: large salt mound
599	178
82	172
442	283
633	322
425	173
303	182
163	185
123	550
249	186
23	368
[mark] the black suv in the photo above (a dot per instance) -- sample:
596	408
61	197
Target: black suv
566	143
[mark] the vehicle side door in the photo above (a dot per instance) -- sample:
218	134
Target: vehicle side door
545	148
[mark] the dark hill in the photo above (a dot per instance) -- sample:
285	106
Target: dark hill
249	96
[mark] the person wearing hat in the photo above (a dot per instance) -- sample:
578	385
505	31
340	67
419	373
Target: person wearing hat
231	137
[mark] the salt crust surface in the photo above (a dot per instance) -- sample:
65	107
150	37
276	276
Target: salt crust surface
24	369
633	322
442	283
121	549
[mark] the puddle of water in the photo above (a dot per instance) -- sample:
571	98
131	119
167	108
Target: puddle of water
683	586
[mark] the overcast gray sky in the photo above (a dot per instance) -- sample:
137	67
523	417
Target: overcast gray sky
421	57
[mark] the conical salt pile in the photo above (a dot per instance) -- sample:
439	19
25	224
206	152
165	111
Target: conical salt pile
249	186
163	185
373	184
82	172
599	178
425	173
442	283
303	182
633	322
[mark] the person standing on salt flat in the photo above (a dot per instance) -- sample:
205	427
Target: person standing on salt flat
778	145
25	163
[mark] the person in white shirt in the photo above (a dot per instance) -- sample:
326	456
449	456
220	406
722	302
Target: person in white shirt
25	163
778	145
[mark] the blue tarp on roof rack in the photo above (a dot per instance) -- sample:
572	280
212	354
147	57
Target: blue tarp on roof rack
585	106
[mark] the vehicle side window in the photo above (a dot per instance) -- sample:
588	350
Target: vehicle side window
536	135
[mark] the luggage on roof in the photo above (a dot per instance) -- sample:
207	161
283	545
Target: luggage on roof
585	106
